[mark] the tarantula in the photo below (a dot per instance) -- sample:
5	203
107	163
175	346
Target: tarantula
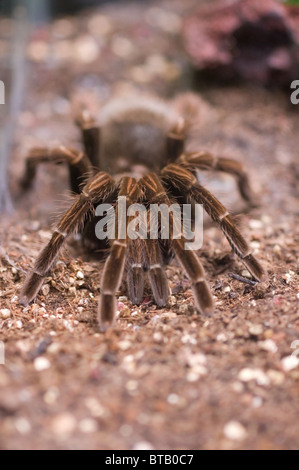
136	150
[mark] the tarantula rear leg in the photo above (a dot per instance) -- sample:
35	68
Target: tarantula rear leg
206	161
176	140
90	134
187	183
94	191
78	164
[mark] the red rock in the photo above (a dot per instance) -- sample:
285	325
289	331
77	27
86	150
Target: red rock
248	39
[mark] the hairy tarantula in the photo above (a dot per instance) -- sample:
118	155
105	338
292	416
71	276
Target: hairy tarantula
136	150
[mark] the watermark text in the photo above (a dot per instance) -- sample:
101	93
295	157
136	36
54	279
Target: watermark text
2	353
295	94
2	92
157	221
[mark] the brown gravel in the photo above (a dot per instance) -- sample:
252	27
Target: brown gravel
163	378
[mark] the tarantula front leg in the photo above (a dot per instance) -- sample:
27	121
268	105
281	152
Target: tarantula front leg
78	163
156	273
146	255
95	190
115	263
156	193
135	270
206	161
186	182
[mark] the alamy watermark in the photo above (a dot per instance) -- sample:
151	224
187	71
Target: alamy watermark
156	221
295	345
2	353
295	95
2	92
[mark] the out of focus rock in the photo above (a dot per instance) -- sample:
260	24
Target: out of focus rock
249	39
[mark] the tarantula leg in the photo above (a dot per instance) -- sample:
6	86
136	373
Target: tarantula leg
156	193
176	140
91	134
206	161
135	270
195	272
186	182
78	163
115	263
95	190
156	273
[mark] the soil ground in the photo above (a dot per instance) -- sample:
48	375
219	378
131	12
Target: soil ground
162	378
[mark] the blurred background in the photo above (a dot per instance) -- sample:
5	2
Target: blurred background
219	42
163	378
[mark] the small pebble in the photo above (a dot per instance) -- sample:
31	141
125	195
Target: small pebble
173	399
222	337
51	395
290	362
132	385
86	49
124	345
22	425
257	402
268	345
5	313
276	377
143	445
158	337
124	312
95	407
255	245
247	374
188	339
68	325
45	289
256	330
289	276
238	387
246	273
63	425
88	425
41	363
80	275
172	300
255	224
23	345
235	431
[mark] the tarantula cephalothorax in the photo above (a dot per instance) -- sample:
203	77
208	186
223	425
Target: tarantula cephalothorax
136	150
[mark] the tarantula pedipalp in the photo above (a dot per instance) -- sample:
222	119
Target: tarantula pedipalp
136	150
